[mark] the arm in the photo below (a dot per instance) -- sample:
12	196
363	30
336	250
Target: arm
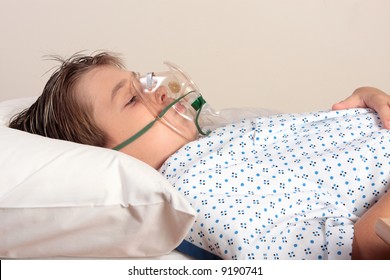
368	97
366	243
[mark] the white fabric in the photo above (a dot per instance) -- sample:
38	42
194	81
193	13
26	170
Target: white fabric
64	199
283	187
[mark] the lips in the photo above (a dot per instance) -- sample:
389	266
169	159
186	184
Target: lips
182	111
180	108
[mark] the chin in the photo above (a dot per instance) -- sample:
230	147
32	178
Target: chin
193	132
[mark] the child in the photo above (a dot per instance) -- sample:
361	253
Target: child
93	100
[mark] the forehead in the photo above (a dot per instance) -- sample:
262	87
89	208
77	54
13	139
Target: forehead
103	76
99	82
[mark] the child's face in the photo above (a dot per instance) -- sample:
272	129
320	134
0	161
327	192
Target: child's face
120	114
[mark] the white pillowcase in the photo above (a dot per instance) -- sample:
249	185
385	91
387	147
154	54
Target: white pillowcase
59	198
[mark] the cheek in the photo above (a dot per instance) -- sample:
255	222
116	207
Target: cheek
121	126
133	121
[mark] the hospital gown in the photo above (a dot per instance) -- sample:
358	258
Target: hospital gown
288	186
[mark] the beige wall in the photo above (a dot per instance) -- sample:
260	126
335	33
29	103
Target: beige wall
291	55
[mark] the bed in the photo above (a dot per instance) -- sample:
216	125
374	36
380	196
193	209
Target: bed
66	200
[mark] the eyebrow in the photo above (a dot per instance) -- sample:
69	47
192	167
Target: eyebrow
116	88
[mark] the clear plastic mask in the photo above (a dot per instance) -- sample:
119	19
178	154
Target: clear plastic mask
184	98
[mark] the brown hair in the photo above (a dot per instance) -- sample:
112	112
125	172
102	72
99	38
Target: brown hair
58	113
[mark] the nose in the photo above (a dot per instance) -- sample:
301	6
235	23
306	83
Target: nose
161	94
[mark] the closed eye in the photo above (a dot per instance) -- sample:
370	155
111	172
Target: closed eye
132	100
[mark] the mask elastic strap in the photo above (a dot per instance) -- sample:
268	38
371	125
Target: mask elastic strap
148	126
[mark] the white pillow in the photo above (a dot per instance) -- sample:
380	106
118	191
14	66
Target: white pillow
59	198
